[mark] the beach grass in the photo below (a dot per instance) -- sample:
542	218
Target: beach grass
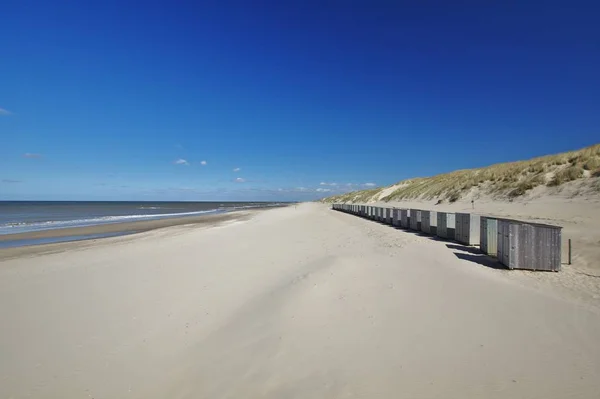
505	180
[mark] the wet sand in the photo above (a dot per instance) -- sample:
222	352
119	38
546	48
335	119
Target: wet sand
127	229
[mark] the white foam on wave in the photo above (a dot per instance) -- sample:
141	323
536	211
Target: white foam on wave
61	224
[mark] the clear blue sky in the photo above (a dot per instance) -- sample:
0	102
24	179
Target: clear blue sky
99	100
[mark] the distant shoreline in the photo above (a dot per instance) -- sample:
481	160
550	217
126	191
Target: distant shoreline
76	235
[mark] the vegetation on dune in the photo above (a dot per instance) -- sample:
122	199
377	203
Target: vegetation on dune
508	180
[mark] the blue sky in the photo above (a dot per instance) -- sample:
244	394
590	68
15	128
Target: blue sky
99	102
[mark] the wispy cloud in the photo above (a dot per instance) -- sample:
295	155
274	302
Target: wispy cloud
323	190
328	184
203	163
11	181
32	155
5	112
369	184
237	169
181	161
239	180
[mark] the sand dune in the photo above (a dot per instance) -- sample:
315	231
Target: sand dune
294	303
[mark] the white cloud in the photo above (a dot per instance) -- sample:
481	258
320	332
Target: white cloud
300	188
328	184
32	155
323	190
203	163
181	161
237	169
369	184
5	112
239	180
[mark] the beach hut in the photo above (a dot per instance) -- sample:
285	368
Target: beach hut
415	219
530	246
396	217
488	241
405	218
467	228
446	223
389	215
429	222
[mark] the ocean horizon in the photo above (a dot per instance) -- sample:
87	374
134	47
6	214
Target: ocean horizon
30	216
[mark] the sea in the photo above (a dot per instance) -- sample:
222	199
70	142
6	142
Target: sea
28	216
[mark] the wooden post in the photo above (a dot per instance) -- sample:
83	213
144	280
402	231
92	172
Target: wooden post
569	251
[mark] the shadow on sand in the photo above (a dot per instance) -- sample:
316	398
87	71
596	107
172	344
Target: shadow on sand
481	259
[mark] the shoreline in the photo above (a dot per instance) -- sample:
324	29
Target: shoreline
111	230
122	227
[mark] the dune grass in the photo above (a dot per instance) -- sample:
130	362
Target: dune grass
508	180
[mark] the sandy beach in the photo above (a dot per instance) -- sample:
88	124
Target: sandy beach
296	302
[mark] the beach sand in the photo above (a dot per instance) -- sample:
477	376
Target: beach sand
297	302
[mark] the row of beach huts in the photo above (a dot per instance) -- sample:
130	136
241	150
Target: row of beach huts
516	244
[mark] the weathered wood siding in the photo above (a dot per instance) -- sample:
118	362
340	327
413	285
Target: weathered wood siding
415	219
396	217
405	218
488	242
446	225
429	222
388	216
529	246
467	228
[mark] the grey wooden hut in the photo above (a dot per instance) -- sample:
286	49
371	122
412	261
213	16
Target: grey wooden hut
405	218
415	219
396	217
530	246
446	223
488	241
429	222
467	228
389	216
